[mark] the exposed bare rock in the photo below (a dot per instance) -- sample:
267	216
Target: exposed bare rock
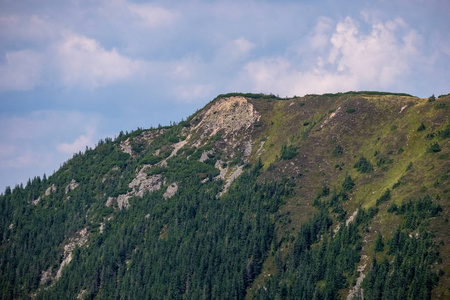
204	156
36	201
50	190
126	147
71	186
142	183
247	148
81	294
146	138
139	185
47	193
403	108
229	115
177	147
223	171
122	201
347	222
331	116
260	149
352	217
171	190
78	239
237	172
46	275
357	292
233	118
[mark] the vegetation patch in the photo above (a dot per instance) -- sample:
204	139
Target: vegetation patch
288	152
363	165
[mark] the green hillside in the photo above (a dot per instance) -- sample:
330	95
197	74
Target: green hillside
334	196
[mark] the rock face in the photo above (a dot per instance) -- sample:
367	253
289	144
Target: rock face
141	184
47	193
71	186
78	240
171	190
232	119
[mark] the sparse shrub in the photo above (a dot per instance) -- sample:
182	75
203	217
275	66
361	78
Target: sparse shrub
434	148
410	165
443	134
429	136
441	105
379	244
151	159
431	98
385	197
392	208
443	156
338	151
383	160
363	165
397	184
351	110
325	190
348	183
288	152
421	127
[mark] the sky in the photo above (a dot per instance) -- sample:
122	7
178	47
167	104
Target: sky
74	72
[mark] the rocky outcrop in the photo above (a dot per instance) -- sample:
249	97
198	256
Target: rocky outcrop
141	184
71	186
79	239
230	121
171	190
51	189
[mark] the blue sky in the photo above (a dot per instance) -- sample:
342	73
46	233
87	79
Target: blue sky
73	72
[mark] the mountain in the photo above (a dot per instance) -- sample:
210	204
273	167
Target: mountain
334	196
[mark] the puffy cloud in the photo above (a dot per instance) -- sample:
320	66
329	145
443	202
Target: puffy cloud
353	60
237	48
320	37
84	63
79	144
193	92
29	28
379	57
152	15
21	70
38	142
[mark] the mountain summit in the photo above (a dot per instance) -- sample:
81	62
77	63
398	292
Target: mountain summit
334	196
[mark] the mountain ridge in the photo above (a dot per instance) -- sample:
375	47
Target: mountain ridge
295	154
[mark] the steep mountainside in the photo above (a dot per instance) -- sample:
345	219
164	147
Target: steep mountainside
335	196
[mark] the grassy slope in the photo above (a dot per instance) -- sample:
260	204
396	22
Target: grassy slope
373	126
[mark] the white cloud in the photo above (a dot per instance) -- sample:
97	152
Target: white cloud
79	144
21	70
193	92
320	37
354	60
152	15
236	49
26	28
84	63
